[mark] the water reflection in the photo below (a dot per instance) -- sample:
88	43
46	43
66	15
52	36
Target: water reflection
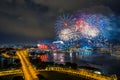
62	57
72	56
58	57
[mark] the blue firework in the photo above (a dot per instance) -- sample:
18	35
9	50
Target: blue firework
63	22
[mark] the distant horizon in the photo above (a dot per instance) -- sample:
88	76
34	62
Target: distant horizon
114	42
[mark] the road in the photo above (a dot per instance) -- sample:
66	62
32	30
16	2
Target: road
80	72
30	73
10	72
8	56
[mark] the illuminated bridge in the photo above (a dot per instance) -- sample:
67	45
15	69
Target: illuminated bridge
30	73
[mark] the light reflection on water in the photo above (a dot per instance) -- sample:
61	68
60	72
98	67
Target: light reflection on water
70	57
58	57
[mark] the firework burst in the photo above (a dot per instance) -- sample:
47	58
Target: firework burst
69	34
63	22
90	27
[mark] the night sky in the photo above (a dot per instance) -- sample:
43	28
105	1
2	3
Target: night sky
32	20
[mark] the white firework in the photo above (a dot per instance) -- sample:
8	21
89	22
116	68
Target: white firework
89	32
69	34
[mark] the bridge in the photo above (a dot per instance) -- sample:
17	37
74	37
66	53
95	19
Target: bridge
30	73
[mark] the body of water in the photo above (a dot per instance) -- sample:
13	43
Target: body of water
107	63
